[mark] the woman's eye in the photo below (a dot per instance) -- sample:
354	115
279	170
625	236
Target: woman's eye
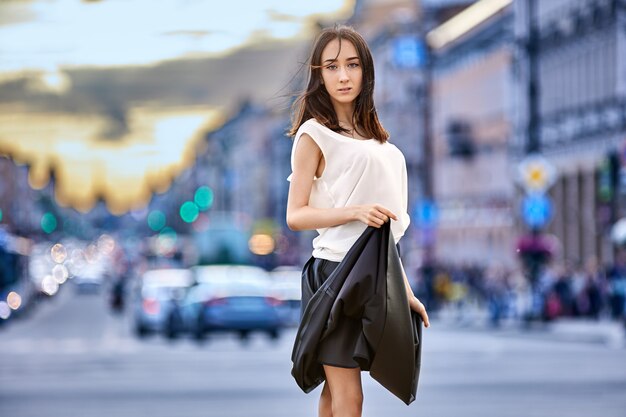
331	67
353	65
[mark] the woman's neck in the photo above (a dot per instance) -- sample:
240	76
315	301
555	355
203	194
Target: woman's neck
344	113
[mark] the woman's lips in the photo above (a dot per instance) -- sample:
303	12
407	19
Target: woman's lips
345	90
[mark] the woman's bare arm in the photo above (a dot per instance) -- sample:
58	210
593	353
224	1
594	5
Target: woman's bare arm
301	216
415	304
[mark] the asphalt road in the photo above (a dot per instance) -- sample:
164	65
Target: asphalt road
72	357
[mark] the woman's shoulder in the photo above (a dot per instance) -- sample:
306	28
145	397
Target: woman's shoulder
393	149
312	122
316	130
310	125
305	127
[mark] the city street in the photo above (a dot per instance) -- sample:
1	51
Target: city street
74	358
153	148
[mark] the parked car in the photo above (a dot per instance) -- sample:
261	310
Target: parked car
229	298
17	291
287	286
156	295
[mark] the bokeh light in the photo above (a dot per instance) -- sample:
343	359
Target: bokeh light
189	212
77	261
14	300
0	215
49	285
48	223
261	244
58	253
91	253
156	220
5	310
203	198
106	244
166	242
60	273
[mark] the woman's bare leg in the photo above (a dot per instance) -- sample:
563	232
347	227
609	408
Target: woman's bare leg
346	391
325	402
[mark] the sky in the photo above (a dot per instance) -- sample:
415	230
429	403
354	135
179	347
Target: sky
52	33
115	93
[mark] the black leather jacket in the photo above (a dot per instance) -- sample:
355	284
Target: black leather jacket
368	284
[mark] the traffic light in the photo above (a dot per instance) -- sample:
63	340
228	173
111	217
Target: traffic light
156	220
48	222
189	212
203	198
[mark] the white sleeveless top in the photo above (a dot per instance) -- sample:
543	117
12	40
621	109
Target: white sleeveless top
356	172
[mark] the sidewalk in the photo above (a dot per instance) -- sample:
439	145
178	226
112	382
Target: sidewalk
579	330
609	332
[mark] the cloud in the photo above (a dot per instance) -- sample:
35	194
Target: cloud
92	89
15	12
259	73
113	123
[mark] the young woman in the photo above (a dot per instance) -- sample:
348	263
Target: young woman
346	176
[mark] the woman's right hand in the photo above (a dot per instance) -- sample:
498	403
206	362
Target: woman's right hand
373	214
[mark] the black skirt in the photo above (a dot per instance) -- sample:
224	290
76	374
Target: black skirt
337	349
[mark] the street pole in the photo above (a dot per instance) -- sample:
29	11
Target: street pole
427	164
532	49
428	194
533	144
427	126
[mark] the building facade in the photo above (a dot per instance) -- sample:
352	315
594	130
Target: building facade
472	107
581	108
395	32
245	162
20	205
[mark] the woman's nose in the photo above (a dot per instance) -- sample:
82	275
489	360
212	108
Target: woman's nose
343	74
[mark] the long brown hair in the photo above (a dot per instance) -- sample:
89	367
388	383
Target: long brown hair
314	102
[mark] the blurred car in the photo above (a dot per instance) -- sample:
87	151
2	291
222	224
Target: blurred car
287	287
156	295
17	291
89	279
229	298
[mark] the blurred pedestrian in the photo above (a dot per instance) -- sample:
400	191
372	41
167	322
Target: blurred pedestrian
117	296
346	177
426	273
594	288
580	296
497	292
617	285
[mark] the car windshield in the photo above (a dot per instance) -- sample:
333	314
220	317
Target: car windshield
233	280
167	278
162	292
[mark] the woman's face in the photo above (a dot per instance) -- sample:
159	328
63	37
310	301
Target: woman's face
341	71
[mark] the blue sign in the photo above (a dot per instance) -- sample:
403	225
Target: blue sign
536	209
409	52
426	213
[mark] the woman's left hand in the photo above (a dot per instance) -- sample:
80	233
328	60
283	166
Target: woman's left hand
417	306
